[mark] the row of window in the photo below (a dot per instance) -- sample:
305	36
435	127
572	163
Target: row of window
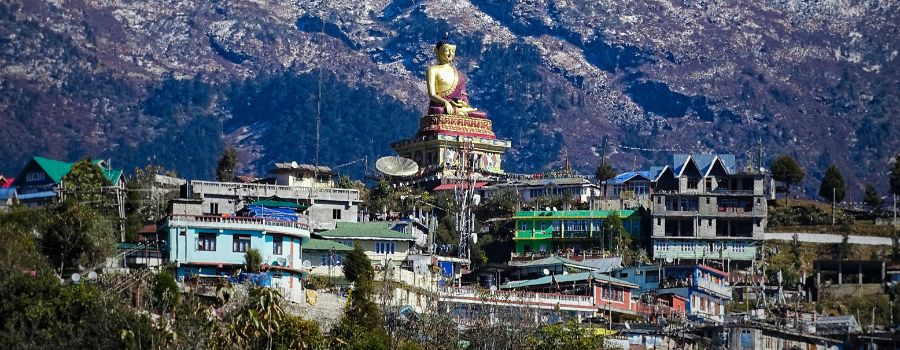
384	247
596	225
737	247
611	293
239	243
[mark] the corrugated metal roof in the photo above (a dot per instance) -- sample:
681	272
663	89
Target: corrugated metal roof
581	276
303	167
324	244
362	230
56	170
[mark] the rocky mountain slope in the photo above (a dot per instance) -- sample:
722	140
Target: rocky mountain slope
171	82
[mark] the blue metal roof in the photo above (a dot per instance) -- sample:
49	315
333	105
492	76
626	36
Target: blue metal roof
7	193
624	177
703	161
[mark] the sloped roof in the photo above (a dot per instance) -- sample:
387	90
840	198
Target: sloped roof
703	161
7	193
366	230
5	182
447	187
56	169
324	244
604	265
626	176
550	261
302	167
581	276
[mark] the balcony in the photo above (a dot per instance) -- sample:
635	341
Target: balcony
291	228
235	189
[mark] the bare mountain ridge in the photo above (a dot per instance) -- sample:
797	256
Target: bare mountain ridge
814	79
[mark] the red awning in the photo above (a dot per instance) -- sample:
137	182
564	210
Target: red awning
448	187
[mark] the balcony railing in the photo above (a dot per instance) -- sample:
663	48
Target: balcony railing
225	220
267	190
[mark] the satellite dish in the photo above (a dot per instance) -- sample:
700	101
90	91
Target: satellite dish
307	264
396	166
92	275
474	238
546	272
476	199
670	260
76	277
493	288
565	272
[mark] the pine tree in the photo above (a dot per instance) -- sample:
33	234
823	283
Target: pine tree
787	170
832	187
227	164
604	173
872	198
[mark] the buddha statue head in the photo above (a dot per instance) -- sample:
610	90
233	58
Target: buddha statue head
445	50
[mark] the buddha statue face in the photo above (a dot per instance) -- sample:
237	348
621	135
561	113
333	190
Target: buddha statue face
445	53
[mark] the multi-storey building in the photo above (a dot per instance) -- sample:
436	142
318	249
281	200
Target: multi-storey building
576	233
382	241
703	208
41	180
578	190
203	245
306	186
704	288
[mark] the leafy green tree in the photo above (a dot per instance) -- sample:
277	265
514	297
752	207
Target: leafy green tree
146	200
832	186
603	173
567	336
76	234
227	164
166	295
361	326
501	204
345	182
85	181
252	260
786	169
872	198
19	248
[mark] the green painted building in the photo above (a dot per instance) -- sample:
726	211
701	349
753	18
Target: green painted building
568	231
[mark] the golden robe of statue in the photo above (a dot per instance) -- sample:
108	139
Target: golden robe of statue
447	86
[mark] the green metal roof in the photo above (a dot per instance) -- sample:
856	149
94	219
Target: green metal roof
58	169
278	204
546	280
573	214
324	244
361	230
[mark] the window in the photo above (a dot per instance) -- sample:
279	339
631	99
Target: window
692	182
384	247
332	259
651	277
708	187
207	242
611	293
336	214
240	243
214	208
34	176
707	200
276	244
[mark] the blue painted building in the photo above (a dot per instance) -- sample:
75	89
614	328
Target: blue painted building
705	289
215	246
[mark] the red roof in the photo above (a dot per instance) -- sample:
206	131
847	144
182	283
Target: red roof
713	270
447	187
5	182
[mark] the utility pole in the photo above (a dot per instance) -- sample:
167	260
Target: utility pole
833	196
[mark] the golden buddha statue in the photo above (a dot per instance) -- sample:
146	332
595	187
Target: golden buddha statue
447	86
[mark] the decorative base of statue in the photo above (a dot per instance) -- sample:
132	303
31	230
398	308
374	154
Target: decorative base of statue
454	138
